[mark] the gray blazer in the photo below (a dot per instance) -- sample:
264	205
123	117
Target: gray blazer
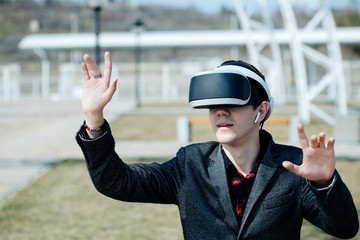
195	180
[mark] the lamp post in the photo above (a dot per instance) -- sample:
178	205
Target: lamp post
97	5
137	27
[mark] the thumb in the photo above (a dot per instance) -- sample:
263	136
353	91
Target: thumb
291	167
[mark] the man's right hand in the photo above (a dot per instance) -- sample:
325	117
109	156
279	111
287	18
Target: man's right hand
97	91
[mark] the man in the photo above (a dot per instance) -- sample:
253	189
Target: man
245	186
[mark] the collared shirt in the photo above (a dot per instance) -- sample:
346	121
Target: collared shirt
239	185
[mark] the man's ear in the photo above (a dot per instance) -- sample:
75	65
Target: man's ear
263	110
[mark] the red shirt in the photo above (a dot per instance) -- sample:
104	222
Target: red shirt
240	186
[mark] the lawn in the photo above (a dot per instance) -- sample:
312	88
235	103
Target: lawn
63	204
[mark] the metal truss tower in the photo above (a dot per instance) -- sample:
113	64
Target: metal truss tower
263	55
333	79
305	58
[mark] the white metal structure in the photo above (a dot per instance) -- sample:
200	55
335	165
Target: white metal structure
332	62
302	52
271	62
181	39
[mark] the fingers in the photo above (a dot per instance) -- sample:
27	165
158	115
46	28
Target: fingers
315	141
93	69
108	65
321	140
331	143
90	68
85	71
302	136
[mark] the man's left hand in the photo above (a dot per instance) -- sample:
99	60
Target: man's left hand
318	163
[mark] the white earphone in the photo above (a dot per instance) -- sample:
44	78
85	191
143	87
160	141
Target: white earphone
257	117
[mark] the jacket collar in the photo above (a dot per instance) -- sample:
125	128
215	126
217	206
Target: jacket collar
265	172
217	175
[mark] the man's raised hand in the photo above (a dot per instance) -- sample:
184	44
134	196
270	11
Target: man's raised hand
97	89
318	159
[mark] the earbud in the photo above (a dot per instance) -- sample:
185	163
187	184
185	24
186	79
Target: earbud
257	117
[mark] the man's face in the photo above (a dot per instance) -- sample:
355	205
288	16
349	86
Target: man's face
233	125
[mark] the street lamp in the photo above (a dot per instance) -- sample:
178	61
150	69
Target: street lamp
97	5
137	27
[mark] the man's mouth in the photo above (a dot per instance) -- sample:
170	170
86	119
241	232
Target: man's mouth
224	125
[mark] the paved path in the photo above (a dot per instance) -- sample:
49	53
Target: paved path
35	133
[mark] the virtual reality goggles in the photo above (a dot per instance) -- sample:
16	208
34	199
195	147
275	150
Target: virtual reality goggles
226	85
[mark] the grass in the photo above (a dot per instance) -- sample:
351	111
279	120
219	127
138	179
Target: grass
63	204
151	130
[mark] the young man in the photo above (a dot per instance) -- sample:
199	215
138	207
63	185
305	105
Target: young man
245	186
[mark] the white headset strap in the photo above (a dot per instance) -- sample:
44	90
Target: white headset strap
245	72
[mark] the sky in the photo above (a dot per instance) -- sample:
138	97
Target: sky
210	6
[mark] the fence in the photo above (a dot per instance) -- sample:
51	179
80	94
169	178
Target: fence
158	80
10	82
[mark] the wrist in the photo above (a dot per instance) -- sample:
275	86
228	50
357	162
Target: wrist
94	120
322	184
96	130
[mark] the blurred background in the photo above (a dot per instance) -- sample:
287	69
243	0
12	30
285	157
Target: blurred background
309	52
157	47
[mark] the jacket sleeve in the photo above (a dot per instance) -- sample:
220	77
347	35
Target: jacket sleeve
332	209
155	183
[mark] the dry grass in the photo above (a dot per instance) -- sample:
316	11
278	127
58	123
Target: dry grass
145	127
63	204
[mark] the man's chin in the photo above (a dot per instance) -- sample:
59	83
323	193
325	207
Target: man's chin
225	140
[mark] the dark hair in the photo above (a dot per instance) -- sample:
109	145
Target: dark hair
258	94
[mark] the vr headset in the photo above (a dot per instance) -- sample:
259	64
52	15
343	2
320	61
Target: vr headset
226	85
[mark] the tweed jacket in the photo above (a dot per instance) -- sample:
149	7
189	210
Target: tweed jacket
195	180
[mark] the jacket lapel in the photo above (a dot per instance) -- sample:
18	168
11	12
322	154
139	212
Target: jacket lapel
218	178
265	172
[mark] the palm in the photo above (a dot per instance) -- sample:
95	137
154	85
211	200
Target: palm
318	159
94	95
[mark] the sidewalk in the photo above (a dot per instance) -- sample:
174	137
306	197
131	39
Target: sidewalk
35	133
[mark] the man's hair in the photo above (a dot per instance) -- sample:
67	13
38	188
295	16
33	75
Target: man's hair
258	93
